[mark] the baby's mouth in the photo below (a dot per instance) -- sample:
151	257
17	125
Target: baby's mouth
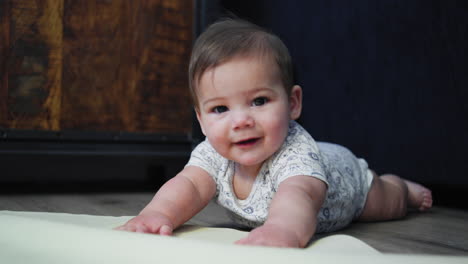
247	142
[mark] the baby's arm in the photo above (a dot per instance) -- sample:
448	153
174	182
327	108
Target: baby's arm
292	215
175	203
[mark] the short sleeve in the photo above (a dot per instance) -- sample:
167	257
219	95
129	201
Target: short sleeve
299	155
205	156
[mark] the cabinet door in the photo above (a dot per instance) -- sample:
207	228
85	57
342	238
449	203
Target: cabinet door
95	65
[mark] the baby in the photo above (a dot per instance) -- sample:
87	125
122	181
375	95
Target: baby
257	161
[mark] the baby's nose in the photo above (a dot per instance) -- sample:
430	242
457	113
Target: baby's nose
242	119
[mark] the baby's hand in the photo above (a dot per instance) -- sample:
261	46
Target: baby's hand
272	236
154	223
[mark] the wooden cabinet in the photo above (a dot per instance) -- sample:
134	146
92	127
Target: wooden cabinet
95	65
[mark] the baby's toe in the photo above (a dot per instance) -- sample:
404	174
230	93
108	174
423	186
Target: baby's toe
427	200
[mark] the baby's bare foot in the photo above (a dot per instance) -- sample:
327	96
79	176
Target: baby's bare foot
419	196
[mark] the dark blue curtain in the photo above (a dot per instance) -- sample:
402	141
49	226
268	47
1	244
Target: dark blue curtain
387	79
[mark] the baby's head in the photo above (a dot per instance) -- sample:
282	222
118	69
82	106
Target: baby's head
242	87
228	39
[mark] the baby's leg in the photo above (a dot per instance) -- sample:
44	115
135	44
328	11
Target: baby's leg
390	196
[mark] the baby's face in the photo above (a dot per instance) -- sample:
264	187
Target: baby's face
244	110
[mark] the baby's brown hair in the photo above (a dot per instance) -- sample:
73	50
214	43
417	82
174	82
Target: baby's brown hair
229	38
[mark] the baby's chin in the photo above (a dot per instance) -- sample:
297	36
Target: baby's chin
250	161
246	158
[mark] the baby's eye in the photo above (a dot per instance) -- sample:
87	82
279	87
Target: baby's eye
219	109
259	101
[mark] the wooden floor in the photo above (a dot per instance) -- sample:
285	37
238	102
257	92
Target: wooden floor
442	231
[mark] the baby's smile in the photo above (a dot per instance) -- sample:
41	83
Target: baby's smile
247	142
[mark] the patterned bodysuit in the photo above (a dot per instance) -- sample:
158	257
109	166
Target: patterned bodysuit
348	179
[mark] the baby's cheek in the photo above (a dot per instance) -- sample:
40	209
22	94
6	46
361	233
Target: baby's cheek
218	141
279	129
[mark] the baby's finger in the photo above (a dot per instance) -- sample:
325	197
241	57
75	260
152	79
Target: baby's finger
242	241
141	229
165	230
125	228
119	228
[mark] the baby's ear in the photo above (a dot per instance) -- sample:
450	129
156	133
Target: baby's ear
295	102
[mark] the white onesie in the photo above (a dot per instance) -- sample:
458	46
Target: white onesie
348	179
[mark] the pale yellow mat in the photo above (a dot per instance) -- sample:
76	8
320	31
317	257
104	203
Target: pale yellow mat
31	237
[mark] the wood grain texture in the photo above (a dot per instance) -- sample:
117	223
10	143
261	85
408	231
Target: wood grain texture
32	75
4	52
96	65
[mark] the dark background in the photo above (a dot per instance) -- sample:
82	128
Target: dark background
387	79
